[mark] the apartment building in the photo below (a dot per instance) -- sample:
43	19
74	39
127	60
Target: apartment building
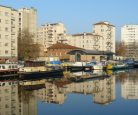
107	31
28	20
8	33
49	34
129	35
87	41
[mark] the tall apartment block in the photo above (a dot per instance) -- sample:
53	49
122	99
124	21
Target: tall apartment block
129	35
107	31
87	41
8	33
49	34
28	20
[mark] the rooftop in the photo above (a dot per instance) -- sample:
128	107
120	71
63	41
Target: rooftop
91	52
104	23
62	46
8	7
82	34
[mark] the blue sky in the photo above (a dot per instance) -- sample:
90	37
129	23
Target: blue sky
79	15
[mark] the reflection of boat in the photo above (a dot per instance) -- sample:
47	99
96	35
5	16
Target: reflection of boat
81	75
37	69
8	69
136	64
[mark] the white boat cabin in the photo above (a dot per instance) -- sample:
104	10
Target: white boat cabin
8	67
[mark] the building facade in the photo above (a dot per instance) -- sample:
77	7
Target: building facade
89	55
49	34
60	50
107	31
129	35
87	41
8	33
28	20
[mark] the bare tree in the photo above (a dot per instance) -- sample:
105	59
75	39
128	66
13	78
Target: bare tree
121	49
27	49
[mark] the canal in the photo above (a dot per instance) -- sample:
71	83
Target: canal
76	93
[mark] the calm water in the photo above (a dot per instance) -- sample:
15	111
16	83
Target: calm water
116	94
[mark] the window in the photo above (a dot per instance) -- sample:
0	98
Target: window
0	36
6	21
6	13
6	51
0	20
6	36
6	44
6	29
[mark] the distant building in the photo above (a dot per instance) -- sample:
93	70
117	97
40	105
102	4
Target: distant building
9	19
107	31
87	41
49	34
28	20
60	50
129	35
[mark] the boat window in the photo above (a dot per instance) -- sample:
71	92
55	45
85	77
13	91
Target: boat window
3	84
16	66
3	67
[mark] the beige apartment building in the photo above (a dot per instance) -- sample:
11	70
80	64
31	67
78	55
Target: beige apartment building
87	41
8	33
28	20
129	36
107	31
49	34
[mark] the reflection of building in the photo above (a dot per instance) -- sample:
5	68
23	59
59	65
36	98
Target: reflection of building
9	100
14	101
8	32
51	94
107	91
28	102
129	87
103	91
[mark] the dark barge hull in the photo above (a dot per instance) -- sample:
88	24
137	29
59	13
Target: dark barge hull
135	65
8	75
45	74
77	68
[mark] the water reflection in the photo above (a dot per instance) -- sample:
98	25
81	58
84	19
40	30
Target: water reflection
129	85
22	97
